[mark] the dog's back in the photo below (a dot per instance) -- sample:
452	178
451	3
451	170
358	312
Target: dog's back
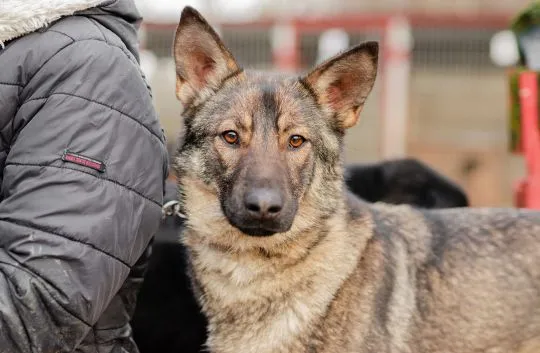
479	288
461	280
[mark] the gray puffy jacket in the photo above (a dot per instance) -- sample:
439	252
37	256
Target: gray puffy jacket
82	167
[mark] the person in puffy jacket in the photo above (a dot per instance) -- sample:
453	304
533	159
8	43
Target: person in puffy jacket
82	169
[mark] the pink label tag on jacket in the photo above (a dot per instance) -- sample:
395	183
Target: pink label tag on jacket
83	160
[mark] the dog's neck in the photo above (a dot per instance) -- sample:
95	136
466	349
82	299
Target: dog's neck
238	285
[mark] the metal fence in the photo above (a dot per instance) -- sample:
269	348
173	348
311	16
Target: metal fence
453	49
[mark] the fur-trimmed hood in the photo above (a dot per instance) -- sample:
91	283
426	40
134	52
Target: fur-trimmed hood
20	17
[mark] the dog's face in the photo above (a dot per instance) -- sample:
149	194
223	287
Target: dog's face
262	151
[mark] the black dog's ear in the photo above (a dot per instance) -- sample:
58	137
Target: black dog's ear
343	82
202	60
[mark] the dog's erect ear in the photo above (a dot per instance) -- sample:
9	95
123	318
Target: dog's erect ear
342	83
202	61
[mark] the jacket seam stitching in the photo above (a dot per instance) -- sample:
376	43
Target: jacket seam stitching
32	225
12	84
45	63
67	35
69	44
99	30
116	182
123	49
99	103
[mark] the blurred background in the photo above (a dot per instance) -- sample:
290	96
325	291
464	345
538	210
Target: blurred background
439	96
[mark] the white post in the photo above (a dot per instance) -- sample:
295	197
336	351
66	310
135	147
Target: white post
395	93
331	42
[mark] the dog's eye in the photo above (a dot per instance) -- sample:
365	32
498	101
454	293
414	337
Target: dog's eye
230	137
296	141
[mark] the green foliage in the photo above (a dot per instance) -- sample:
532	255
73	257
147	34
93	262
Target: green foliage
528	17
515	110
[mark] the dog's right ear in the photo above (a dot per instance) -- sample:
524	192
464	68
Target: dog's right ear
202	60
343	82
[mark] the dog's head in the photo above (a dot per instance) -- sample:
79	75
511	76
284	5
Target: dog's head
262	153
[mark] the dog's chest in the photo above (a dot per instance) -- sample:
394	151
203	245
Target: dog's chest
257	323
277	314
255	307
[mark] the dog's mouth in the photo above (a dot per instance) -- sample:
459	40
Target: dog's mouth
258	231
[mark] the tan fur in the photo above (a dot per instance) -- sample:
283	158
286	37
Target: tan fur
345	276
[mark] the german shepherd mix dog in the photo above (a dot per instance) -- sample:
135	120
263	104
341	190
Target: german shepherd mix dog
283	259
167	317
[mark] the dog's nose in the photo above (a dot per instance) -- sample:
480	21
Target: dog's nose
263	202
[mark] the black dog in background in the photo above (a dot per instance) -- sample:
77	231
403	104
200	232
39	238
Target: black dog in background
404	181
167	317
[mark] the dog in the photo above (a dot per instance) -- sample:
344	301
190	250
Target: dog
282	258
167	317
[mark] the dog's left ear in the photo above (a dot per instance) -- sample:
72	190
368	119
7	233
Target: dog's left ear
343	82
202	60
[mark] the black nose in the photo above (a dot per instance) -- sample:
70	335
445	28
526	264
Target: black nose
263	202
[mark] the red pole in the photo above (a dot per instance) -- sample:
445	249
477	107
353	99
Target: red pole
528	96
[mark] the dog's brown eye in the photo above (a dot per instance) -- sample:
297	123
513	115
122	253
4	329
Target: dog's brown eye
296	141
231	137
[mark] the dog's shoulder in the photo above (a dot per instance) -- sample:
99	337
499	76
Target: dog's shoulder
486	230
387	219
454	239
498	222
430	235
391	226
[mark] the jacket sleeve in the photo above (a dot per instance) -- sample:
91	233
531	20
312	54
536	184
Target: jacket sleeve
81	192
